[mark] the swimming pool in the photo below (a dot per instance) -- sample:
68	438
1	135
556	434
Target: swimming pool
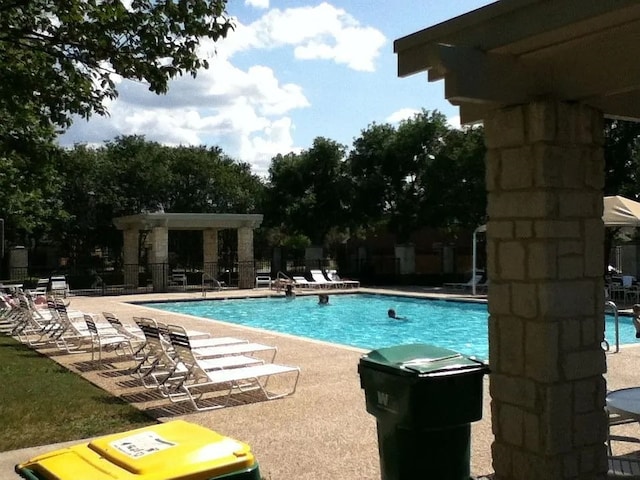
360	320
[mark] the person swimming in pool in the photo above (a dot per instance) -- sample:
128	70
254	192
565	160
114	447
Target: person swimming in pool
636	318
288	291
323	299
391	313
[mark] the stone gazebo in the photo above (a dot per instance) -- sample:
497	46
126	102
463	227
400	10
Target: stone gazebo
542	75
159	224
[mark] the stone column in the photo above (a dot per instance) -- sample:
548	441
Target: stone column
246	270
130	256
545	247
159	261
210	252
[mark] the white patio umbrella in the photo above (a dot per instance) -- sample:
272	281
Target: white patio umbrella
621	212
618	212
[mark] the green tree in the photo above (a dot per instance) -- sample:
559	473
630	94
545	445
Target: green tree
58	58
309	193
622	168
370	163
30	192
205	180
417	142
389	168
622	158
454	182
136	175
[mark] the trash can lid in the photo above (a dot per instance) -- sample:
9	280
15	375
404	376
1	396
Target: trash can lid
421	359
173	450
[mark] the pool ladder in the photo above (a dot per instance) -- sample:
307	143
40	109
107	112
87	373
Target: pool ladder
213	280
609	305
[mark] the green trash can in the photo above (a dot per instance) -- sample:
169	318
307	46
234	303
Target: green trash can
424	399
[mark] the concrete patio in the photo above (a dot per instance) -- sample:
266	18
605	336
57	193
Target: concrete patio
322	431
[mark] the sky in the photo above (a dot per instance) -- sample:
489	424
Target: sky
291	71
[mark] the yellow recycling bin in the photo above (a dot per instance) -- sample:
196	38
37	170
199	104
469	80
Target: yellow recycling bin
176	450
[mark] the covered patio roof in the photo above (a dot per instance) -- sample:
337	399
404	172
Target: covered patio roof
517	51
188	221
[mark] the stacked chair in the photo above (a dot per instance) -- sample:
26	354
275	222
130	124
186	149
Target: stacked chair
206	372
184	366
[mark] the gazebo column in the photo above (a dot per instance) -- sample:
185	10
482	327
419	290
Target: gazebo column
246	267
210	252
130	256
159	260
545	247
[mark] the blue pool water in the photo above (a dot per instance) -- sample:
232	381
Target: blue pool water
360	320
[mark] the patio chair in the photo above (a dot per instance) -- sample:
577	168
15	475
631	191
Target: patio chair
67	334
189	363
59	286
623	468
263	281
465	285
131	331
631	289
157	360
102	340
197	380
41	287
178	278
333	275
301	282
158	355
9	315
28	329
320	280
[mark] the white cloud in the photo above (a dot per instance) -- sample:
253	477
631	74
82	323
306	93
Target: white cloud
322	32
454	122
257	3
402	114
246	111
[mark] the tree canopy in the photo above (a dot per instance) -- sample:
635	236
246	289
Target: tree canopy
59	58
420	173
63	59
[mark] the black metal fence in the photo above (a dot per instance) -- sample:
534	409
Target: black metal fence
127	279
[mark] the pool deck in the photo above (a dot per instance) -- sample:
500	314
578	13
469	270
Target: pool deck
323	429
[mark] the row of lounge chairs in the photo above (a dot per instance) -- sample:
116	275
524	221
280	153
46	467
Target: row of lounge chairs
181	365
319	279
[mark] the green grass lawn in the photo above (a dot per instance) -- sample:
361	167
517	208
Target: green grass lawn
41	402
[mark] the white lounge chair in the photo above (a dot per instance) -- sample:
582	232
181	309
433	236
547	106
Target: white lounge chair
131	331
192	385
101	339
158	344
301	282
134	335
161	362
333	275
320	280
263	281
465	285
41	287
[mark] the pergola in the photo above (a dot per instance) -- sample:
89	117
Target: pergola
159	224
542	75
